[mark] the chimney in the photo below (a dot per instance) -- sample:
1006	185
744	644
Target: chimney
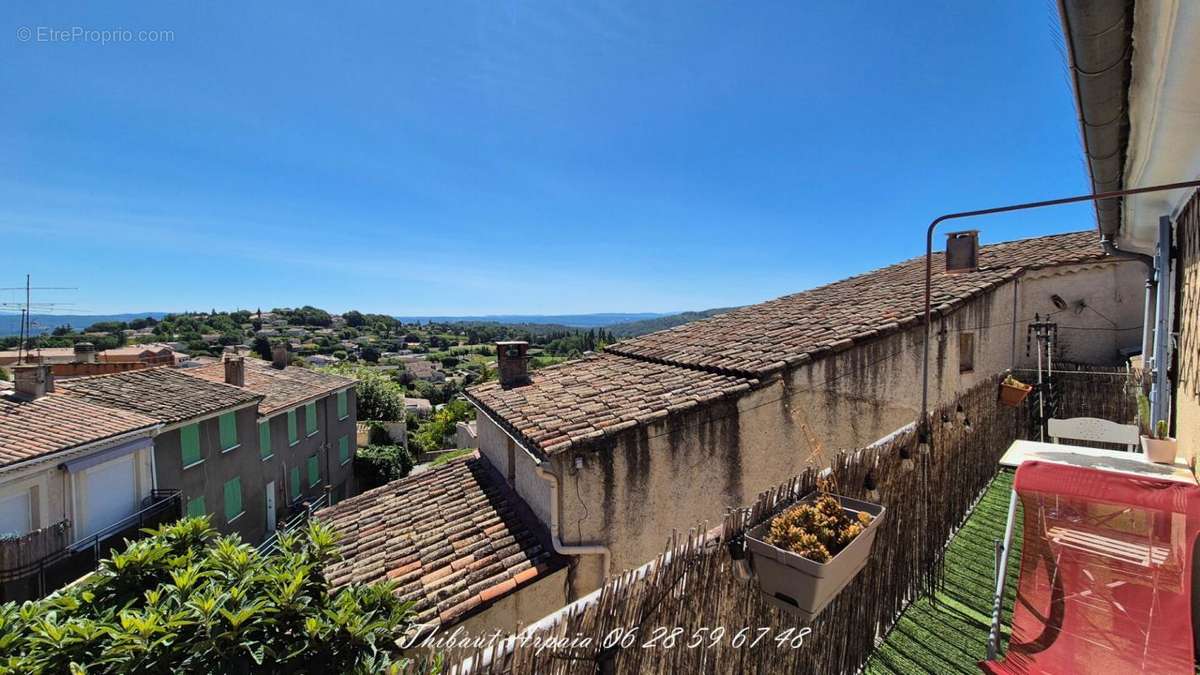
962	251
33	382
279	356
514	363
235	371
85	352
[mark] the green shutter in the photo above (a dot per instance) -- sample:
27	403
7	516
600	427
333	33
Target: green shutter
228	424
195	507
295	483
293	437
344	449
189	441
310	419
314	471
264	439
343	413
233	498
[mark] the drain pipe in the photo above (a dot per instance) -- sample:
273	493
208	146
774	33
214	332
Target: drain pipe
549	477
1110	247
567	549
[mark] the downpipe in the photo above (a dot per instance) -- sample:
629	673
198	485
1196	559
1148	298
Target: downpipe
556	540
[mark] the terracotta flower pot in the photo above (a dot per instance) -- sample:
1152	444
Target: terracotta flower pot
799	585
1012	395
1160	450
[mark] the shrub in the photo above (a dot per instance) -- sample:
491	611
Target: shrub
377	465
818	530
377	396
184	600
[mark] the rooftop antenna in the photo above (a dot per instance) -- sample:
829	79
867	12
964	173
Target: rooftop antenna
26	311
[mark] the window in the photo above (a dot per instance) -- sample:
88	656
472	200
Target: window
233	499
310	419
294	484
343	409
344	449
966	352
293	436
228	425
196	508
264	439
314	471
189	442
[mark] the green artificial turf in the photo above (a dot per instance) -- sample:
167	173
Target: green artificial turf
946	631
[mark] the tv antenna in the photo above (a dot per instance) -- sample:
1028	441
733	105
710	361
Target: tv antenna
26	310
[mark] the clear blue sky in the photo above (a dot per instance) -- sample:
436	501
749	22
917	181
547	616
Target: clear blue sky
515	157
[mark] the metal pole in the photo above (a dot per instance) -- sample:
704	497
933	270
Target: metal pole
993	648
1005	209
1162	331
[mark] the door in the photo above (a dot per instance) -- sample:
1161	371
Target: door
111	495
270	507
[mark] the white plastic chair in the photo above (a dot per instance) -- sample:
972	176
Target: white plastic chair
1094	429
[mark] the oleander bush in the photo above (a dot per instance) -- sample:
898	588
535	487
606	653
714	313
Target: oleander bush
184	600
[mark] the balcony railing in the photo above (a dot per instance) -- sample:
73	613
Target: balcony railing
42	561
301	513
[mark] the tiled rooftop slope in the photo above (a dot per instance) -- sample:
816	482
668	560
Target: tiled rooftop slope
281	388
454	539
646	378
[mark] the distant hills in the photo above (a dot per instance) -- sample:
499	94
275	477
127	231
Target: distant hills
643	326
601	320
618	323
10	324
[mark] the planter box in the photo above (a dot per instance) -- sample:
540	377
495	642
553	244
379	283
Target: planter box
799	585
1013	395
1160	450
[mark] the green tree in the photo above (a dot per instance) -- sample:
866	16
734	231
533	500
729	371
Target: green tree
376	465
379	398
354	318
184	600
262	347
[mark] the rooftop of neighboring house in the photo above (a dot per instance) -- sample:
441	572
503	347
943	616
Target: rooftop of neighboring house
56	422
454	540
281	388
645	378
418	404
164	393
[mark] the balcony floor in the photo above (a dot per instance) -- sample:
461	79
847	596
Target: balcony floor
946	631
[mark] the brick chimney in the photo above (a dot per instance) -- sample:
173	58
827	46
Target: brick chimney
85	352
235	370
279	356
514	363
962	251
33	381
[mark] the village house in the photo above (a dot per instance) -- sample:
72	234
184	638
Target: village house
206	445
305	428
70	471
613	450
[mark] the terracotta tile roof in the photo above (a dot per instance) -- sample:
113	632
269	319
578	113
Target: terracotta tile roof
54	422
599	395
654	375
453	539
164	393
759	339
280	388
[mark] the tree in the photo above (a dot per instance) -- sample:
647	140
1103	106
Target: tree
354	318
184	600
376	465
378	397
370	354
262	347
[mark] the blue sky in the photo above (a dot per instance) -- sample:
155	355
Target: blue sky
504	157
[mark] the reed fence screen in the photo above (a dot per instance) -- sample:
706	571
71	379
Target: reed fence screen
693	590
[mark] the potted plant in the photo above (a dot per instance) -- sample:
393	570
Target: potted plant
804	556
1013	391
1158	446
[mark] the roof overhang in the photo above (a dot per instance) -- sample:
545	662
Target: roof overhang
1164	116
1134	67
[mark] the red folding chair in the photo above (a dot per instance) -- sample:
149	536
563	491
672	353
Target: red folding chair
1106	569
